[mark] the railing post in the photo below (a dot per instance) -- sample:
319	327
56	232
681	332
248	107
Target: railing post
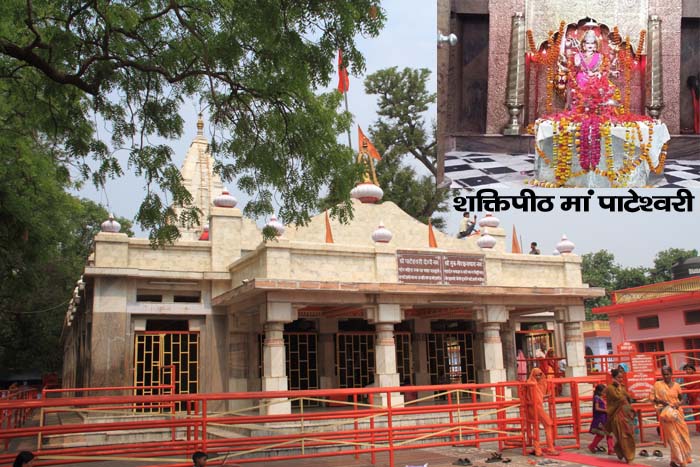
355	424
301	410
41	426
500	396
371	427
576	410
390	427
204	425
451	414
459	416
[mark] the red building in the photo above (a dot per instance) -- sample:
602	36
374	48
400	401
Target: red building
658	317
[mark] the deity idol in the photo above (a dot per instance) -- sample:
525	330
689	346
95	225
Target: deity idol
588	61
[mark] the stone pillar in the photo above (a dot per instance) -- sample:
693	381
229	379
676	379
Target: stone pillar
443	60
572	316
242	356
515	92
327	328
274	377
111	342
383	316
654	70
420	355
494	371
490	319
509	360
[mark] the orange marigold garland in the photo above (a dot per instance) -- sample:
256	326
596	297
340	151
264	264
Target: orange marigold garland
640	45
550	72
531	41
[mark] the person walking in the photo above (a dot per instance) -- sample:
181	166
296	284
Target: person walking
666	396
620	415
600	418
535	396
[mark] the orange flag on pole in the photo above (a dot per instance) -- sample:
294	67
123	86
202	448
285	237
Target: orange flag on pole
515	245
366	145
343	78
432	243
329	232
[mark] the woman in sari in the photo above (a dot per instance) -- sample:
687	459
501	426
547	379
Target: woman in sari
691	390
522	366
534	402
666	396
620	415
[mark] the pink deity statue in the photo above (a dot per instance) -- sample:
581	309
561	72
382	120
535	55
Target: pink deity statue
587	62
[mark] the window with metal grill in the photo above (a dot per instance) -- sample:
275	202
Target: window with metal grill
648	322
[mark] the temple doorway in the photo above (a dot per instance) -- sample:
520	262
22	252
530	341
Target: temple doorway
161	357
450	347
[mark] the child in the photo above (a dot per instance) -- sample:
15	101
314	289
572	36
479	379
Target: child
600	418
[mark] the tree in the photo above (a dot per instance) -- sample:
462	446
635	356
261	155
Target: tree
599	270
401	132
45	238
627	278
69	67
664	261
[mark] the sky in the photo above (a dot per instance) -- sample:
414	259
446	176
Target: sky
409	40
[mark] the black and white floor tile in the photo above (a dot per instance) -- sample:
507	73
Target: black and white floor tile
473	170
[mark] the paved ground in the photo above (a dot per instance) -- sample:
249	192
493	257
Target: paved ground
490	170
446	457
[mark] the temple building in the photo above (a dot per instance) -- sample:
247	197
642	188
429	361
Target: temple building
325	305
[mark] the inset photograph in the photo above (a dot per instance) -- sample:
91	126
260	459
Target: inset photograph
555	93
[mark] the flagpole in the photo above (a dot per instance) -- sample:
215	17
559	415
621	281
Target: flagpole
348	111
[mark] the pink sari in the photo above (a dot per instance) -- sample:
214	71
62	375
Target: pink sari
592	65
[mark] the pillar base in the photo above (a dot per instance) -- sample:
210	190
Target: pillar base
276	407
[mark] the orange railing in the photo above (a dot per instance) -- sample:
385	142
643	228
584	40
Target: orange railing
15	414
244	425
265	426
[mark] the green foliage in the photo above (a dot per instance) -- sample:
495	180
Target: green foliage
45	238
664	261
600	270
68	68
401	132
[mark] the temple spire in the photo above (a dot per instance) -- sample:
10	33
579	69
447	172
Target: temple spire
200	125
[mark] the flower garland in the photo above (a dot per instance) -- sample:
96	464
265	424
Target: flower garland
640	45
590	143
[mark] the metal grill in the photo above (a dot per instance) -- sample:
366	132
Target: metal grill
451	357
302	362
404	356
355	359
159	357
301	355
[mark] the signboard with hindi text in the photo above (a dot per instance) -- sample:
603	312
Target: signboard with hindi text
417	267
641	378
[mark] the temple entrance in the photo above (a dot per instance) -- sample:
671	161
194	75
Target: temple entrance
354	359
532	339
451	357
302	363
450	347
163	357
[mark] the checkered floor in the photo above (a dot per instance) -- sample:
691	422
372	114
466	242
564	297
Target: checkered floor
487	170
